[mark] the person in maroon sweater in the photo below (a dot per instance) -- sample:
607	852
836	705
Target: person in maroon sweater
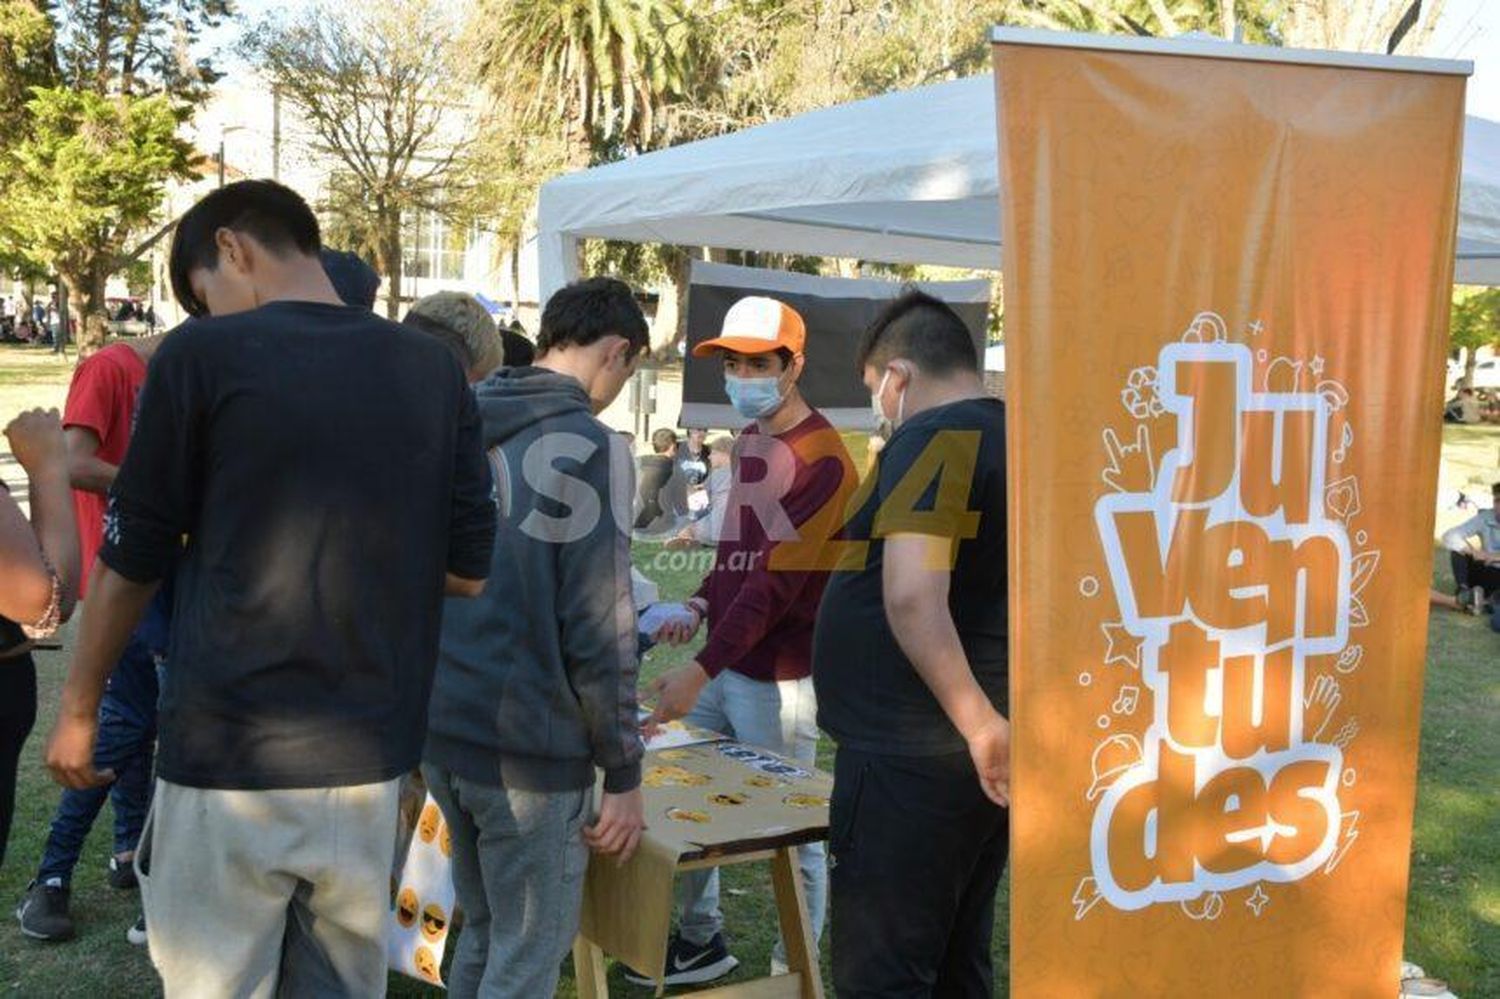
752	680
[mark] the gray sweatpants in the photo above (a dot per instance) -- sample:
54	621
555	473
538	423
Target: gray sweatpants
518	865
250	894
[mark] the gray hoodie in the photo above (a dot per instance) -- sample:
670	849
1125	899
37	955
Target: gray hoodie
535	682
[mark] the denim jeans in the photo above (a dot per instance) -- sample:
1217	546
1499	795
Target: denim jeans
781	717
125	744
518	867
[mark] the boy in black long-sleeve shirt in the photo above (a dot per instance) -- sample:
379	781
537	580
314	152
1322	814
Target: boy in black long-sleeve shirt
325	469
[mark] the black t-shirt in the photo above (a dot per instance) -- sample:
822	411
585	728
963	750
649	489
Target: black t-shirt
326	469
870	697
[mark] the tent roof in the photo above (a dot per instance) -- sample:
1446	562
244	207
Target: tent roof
907	177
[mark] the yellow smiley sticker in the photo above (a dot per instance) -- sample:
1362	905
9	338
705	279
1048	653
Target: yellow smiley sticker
434	923
427	825
427	965
406	907
688	815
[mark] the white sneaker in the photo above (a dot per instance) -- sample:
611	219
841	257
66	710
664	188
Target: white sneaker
137	933
779	967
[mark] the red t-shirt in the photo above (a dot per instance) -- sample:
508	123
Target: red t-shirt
102	399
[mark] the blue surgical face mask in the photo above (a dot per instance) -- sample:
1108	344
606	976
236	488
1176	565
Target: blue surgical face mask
754	398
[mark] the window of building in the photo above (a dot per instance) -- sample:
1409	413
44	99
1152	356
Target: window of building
433	247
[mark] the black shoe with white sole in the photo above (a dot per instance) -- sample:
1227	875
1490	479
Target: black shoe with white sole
692	964
137	933
122	874
43	912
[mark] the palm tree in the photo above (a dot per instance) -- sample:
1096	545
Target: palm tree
1161	18
606	69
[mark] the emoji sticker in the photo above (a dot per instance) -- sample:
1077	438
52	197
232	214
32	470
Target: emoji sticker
674	777
761	780
730	798
806	801
434	922
406	907
427	825
444	842
688	815
427	965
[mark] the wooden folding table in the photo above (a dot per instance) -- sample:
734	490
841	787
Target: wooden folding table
707	805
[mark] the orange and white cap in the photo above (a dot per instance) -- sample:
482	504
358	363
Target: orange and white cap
757	325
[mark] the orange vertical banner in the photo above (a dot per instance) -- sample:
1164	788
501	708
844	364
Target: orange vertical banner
1227	276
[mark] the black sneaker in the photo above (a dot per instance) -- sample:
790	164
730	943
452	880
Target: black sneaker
122	874
137	933
43	912
692	964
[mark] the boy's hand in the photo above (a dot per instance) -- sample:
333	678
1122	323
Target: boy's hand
617	830
676	692
36	438
70	752
989	747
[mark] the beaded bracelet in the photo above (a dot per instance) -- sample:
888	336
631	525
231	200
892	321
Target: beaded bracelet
46	626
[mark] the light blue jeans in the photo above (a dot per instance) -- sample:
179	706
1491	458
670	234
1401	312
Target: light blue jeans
781	717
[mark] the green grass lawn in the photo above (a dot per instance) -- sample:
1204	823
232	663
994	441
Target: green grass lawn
1453	925
33	372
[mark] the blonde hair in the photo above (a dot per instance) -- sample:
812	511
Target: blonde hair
463	324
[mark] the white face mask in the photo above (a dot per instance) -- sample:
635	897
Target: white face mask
879	410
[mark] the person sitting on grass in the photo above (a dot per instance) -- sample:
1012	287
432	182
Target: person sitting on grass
1476	570
706	529
655	486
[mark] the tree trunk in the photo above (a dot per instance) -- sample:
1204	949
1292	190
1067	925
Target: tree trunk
390	263
1471	358
515	275
670	328
85	310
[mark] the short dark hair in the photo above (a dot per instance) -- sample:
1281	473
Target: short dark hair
587	311
274	214
785	353
922	329
663	440
1495	488
519	351
354	280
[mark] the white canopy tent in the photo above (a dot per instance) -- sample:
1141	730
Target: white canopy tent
908	177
